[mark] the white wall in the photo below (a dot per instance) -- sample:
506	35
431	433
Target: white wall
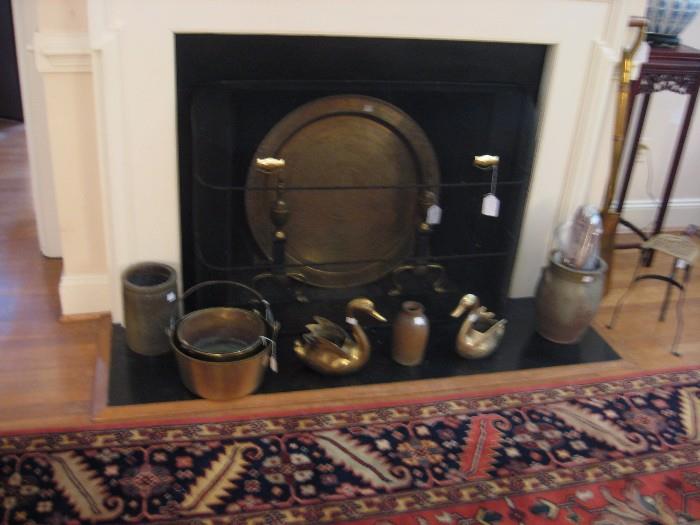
663	123
64	60
26	21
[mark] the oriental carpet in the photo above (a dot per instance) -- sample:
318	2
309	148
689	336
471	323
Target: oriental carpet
617	452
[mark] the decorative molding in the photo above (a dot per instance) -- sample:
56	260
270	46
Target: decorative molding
590	122
112	153
62	52
680	213
84	293
678	83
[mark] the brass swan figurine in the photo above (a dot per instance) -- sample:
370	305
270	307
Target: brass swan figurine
329	349
471	343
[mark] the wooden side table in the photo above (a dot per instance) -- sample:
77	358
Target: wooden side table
668	69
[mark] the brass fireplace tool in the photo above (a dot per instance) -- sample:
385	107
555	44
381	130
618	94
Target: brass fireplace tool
434	273
611	218
279	215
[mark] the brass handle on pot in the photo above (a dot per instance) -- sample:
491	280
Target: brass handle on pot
268	318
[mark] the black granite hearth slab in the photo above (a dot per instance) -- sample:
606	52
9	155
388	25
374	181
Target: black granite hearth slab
136	379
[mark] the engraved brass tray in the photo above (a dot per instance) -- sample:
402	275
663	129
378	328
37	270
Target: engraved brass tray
361	159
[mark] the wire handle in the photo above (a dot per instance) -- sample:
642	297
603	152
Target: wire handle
269	318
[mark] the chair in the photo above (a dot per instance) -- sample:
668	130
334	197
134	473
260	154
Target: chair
684	252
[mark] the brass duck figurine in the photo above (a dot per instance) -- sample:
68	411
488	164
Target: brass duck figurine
329	349
471	343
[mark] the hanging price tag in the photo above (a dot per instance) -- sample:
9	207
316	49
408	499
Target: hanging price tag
490	206
273	353
434	215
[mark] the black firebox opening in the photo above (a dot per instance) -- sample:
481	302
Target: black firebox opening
470	98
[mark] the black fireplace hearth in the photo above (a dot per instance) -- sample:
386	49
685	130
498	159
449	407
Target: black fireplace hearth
136	379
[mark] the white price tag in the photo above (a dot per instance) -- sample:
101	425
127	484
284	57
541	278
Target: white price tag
434	215
273	353
170	297
490	206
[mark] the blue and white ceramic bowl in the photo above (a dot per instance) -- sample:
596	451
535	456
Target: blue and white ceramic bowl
667	18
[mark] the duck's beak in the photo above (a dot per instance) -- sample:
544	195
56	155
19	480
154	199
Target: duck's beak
377	316
459	310
466	303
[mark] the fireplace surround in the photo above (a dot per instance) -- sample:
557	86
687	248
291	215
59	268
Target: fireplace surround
128	48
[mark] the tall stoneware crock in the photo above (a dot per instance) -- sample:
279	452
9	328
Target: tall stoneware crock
149	291
567	300
411	330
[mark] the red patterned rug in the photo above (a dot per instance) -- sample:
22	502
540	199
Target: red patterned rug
619	452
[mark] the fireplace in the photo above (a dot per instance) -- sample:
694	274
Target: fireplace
129	48
469	98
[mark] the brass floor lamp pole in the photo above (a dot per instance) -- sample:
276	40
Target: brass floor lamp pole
611	218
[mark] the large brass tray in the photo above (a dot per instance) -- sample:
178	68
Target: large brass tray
344	237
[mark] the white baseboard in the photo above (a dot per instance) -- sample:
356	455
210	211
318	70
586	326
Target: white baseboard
84	293
680	213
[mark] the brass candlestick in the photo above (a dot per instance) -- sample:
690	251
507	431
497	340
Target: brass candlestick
279	215
432	272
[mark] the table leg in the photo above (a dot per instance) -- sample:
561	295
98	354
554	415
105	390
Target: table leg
667	293
633	153
671	178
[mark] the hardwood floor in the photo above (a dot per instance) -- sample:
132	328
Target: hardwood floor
47	367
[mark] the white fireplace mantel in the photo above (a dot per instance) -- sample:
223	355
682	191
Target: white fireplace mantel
133	67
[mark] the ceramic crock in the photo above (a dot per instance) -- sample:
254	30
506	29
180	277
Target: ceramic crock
410	334
567	300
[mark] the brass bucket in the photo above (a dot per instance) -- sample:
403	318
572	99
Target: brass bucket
221	333
222	352
221	380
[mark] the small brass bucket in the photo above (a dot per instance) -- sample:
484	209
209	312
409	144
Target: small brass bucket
222	352
221	333
222	380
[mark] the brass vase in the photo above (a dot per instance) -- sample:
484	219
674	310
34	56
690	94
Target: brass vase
411	330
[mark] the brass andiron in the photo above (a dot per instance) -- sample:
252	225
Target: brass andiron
434	273
329	349
471	343
279	215
611	218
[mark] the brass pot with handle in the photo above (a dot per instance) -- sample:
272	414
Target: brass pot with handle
222	352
